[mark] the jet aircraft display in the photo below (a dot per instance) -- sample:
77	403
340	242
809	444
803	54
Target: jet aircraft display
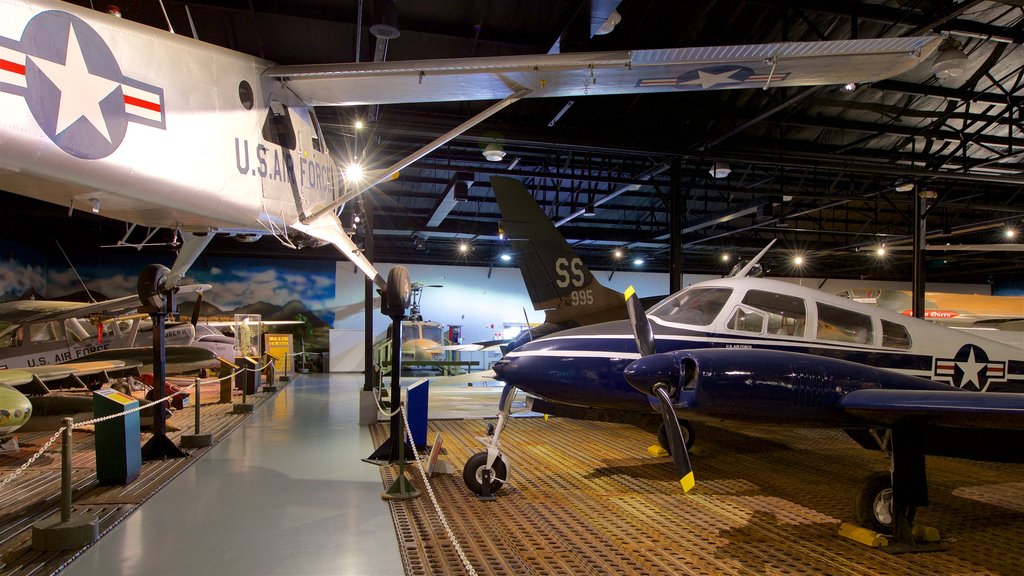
103	114
769	351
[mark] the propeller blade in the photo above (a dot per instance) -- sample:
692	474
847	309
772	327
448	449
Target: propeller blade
641	325
195	311
677	445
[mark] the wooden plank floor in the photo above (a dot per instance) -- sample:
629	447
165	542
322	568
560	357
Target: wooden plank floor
586	498
35	495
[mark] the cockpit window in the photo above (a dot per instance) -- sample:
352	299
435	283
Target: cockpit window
278	127
779	314
842	325
895	335
314	132
696	306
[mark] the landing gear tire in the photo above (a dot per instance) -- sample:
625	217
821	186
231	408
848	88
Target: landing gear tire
872	504
150	284
688	435
472	473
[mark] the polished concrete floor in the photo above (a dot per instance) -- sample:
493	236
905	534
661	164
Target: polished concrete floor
285	494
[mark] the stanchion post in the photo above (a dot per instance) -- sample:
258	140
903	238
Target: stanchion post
197	440
65	471
66	532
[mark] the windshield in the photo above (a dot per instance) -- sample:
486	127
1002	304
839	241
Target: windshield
696	306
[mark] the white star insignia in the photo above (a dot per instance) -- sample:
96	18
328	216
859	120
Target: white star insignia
80	91
709	80
971	369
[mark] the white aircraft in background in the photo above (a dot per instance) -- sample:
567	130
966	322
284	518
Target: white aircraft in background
164	131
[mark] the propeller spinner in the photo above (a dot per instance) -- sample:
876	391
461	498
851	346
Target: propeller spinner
656	376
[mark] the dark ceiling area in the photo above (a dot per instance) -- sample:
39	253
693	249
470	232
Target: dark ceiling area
831	172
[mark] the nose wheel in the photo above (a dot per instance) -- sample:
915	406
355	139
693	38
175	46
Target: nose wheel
481	479
486	472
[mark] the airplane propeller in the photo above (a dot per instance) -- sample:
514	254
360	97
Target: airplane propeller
654	376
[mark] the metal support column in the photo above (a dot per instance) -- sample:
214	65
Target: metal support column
677	201
368	368
920	230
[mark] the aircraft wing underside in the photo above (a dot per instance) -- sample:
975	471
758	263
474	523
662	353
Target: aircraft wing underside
626	72
1004	410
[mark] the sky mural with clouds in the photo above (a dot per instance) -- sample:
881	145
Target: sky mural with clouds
236	281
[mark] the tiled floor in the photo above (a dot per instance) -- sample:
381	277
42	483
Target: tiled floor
285	494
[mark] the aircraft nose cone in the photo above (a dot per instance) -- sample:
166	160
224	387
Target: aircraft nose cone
644	373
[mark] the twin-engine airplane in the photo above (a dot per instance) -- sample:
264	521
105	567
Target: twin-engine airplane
767	351
164	131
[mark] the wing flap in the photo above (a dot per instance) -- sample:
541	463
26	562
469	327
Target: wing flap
639	71
952	407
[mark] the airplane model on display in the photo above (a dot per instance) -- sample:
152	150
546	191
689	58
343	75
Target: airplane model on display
103	114
955	310
767	351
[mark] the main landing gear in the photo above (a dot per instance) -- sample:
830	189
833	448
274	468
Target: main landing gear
486	472
886	502
688	435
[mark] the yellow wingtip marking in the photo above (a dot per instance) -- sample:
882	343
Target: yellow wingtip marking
687	482
629	292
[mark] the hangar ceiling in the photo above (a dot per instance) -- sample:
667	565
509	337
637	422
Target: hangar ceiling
817	168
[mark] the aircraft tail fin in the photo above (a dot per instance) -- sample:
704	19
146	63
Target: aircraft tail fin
555	277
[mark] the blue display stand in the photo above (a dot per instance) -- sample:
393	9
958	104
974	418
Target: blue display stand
416	404
118	451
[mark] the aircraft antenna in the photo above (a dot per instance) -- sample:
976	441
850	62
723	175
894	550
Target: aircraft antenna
87	293
750	265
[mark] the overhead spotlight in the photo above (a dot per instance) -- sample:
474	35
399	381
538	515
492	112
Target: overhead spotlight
359	125
354	173
506	257
720	170
501	232
613	19
903	184
725	257
798	261
1010	233
95	202
617	254
880	251
419	242
638	261
950	61
589	210
850	87
494	152
463	247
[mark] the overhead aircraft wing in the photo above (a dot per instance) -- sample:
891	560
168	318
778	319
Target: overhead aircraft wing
952	407
597	73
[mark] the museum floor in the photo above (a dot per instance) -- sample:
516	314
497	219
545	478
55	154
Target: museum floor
284	494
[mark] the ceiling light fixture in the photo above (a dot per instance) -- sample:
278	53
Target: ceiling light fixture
506	257
798	261
359	125
880	251
1010	233
903	184
589	210
850	87
638	261
494	152
463	247
617	254
720	170
609	24
725	257
95	205
950	61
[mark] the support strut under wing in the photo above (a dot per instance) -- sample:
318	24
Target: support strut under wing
327	227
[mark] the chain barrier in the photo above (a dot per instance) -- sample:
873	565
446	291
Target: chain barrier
21	470
433	499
